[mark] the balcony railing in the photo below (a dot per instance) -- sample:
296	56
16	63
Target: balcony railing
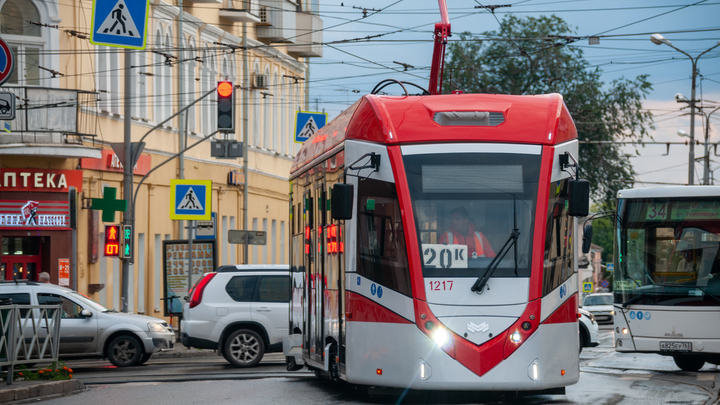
50	117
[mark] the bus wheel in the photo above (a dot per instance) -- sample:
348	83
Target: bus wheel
689	363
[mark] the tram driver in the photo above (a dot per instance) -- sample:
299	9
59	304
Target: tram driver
463	232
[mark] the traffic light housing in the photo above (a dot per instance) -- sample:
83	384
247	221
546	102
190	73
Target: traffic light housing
128	242
226	107
112	240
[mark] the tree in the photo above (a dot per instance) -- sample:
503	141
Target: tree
534	56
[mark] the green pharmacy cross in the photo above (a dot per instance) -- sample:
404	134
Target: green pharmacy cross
109	204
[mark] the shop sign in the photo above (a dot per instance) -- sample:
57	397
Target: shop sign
110	162
64	272
31	214
43	180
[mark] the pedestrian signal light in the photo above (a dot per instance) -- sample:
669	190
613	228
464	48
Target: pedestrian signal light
127	242
112	240
225	107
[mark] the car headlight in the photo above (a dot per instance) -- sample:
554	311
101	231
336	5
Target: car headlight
156	327
612	312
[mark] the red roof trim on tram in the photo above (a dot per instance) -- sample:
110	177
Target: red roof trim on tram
566	312
362	309
406	120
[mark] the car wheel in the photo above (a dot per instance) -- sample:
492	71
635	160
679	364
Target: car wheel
124	351
244	348
145	357
689	363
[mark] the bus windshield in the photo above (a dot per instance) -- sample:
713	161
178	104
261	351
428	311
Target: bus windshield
466	207
668	251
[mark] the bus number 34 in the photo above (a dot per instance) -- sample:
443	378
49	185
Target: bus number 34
440	285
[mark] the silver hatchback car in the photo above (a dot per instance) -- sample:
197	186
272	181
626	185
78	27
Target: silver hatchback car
87	329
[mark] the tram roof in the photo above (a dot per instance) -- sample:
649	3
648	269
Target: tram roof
396	120
674	191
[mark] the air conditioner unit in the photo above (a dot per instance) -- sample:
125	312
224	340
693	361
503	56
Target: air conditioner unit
260	81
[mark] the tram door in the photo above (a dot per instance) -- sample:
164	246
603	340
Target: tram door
317	271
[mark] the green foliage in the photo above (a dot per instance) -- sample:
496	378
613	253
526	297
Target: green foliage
539	60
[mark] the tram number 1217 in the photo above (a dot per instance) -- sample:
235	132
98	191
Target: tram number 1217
445	256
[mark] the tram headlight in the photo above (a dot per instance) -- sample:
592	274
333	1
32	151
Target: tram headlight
441	337
515	337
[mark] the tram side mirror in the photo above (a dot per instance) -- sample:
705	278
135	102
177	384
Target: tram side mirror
342	201
579	198
587	238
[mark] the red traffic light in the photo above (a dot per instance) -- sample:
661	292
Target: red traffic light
225	89
112	240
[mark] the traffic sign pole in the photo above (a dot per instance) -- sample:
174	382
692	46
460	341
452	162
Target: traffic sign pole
128	219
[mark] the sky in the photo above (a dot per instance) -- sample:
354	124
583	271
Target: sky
351	69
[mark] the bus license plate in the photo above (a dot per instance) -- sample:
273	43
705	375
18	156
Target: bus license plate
676	346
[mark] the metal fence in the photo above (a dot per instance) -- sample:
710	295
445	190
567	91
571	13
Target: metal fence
30	334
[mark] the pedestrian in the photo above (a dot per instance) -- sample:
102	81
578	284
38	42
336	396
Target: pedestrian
44	277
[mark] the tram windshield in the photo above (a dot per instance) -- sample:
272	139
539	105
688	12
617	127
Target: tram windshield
467	206
668	251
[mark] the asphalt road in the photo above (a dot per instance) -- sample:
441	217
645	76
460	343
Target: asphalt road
606	378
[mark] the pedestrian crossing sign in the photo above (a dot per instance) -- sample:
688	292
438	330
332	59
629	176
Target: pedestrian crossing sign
587	287
119	23
307	124
191	199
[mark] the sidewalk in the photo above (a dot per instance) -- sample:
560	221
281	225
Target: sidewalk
31	391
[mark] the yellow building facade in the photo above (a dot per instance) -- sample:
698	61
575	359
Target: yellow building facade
70	110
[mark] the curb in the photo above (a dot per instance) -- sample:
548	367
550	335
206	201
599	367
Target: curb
184	353
40	391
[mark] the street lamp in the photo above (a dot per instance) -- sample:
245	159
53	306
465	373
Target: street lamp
658	39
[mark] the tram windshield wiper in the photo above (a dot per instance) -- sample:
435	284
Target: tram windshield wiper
512	241
482	280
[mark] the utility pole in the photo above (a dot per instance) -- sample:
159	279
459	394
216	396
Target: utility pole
181	118
658	39
127	174
706	171
246	85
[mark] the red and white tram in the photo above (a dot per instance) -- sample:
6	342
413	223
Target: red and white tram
433	244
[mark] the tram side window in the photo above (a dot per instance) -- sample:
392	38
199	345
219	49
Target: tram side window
558	243
382	256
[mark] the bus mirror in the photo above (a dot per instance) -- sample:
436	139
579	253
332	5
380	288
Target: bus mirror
587	238
579	198
342	201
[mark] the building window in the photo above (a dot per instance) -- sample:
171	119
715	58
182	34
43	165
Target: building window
24	38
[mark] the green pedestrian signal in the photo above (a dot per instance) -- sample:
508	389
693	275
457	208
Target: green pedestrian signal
127	242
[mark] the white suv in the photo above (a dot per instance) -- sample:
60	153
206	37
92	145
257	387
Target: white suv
241	311
87	329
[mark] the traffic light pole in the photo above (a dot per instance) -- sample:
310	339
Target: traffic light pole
127	175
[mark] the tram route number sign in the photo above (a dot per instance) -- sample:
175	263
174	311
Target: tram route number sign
445	256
